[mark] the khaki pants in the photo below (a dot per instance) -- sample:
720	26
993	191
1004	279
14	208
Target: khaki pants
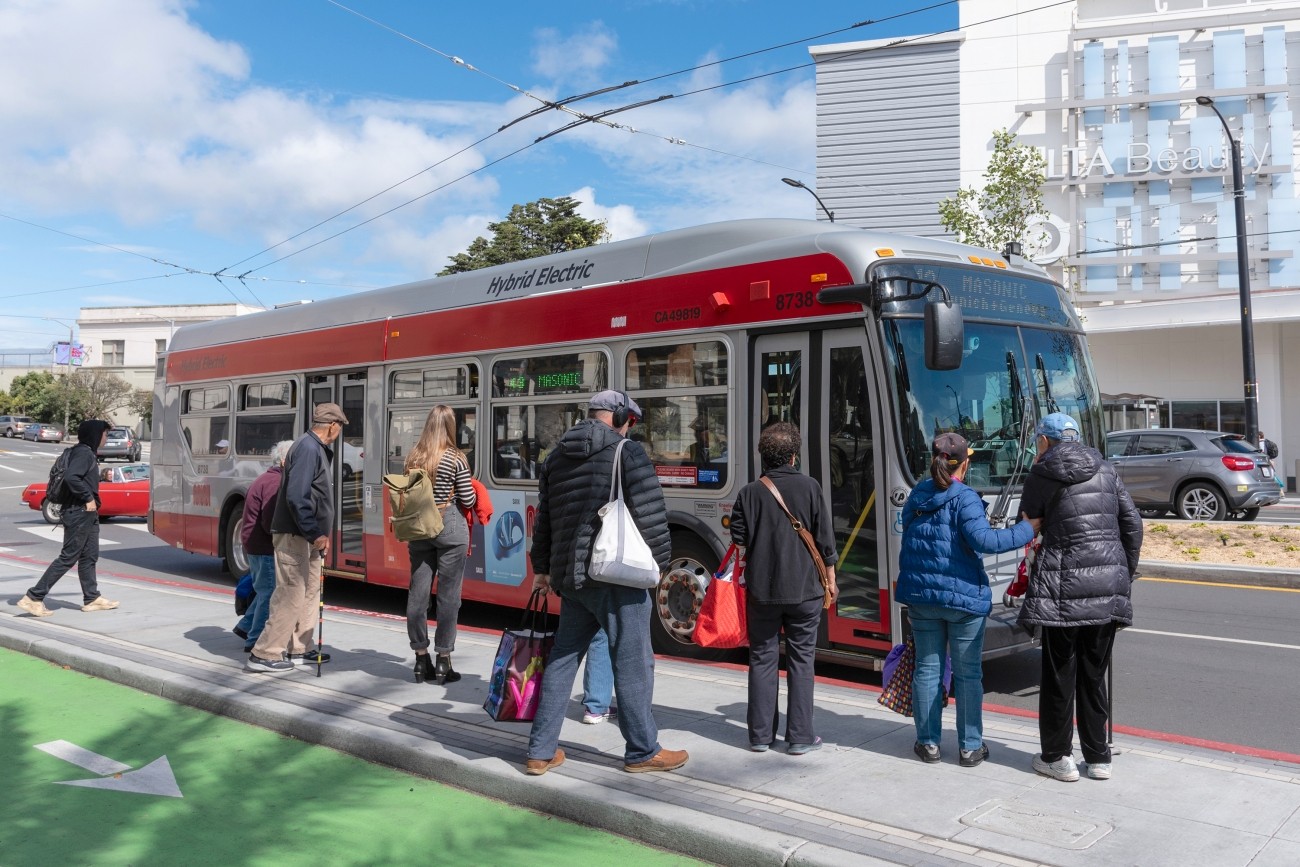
295	601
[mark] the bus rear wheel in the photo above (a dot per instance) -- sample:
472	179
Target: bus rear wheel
236	559
678	597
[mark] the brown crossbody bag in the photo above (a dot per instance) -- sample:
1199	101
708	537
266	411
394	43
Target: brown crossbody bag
809	542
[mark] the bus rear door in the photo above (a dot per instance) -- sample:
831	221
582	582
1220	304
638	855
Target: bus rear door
348	390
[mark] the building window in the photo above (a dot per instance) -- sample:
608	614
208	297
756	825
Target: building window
114	353
159	346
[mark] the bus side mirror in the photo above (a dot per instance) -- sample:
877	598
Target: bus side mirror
944	335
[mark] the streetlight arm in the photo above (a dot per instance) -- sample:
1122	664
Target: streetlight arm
830	215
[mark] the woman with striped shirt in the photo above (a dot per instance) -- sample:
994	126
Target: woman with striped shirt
444	555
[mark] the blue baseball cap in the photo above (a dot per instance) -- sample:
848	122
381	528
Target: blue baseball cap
1058	426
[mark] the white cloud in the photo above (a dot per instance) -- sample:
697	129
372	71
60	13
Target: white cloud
574	58
621	220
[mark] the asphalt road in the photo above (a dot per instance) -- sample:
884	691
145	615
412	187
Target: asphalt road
1209	662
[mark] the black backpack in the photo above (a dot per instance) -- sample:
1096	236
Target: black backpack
57	491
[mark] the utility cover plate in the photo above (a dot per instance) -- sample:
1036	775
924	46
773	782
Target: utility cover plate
1030	823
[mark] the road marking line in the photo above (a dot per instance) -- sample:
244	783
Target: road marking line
48	534
83	758
1215	638
10	469
12	487
1221	584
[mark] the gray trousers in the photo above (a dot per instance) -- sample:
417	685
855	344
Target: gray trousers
442	557
80	548
766	623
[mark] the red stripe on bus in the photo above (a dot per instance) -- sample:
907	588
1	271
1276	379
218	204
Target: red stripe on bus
701	301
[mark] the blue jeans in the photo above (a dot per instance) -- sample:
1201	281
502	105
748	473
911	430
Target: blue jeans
936	629
262	567
598	676
624	614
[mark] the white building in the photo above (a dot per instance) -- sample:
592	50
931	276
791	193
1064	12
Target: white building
128	340
1140	188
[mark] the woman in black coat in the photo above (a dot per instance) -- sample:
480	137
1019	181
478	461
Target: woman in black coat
783	590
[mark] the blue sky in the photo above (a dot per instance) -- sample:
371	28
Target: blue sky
170	140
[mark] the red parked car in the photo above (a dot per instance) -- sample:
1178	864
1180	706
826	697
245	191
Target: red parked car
123	493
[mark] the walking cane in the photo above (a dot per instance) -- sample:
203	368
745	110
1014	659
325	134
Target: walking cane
320	625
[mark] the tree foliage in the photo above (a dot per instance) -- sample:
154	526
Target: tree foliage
35	394
141	403
93	392
536	229
1011	201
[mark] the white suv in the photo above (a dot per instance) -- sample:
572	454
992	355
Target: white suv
14	425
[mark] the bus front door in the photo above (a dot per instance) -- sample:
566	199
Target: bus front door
348	390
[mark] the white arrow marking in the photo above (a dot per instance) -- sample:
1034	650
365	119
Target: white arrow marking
155	778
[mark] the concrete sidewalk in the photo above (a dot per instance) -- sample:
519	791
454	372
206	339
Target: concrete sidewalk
863	799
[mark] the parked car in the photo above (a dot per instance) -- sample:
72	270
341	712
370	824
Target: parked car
1200	475
43	433
352	456
14	425
123	493
121	443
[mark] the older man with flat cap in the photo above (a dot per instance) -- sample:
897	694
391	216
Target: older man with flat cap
300	532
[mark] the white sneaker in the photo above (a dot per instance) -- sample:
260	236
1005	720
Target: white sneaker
34	607
100	603
1063	769
592	719
1099	771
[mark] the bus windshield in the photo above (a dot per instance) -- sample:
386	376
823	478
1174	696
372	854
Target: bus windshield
982	399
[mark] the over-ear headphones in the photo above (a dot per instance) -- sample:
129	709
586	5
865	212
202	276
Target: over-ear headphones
621	412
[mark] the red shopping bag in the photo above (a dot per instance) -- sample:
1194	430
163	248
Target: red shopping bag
721	622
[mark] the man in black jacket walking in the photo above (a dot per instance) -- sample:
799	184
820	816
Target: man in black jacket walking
574	483
1079	591
80	526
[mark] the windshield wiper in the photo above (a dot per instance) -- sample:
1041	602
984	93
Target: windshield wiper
1052	405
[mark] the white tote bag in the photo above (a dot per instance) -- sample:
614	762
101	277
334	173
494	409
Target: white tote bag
618	554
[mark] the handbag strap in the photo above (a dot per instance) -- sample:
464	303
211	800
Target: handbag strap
616	481
804	534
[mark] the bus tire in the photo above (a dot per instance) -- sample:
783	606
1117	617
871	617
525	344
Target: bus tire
235	557
677	600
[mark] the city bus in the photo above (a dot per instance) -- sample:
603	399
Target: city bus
872	343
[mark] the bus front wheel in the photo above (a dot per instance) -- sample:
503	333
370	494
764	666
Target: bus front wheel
678	597
236	558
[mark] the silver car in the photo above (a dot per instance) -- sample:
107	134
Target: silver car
1200	475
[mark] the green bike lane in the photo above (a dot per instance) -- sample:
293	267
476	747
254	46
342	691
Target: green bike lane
88	779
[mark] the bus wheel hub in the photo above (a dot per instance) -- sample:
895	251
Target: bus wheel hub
680	595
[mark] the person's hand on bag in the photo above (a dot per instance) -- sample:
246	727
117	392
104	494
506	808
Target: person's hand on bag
542	583
832	586
1036	523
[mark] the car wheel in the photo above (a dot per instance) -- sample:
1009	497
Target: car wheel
1153	513
9	432
1201	503
1248	514
51	512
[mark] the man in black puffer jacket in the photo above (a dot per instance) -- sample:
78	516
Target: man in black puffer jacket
1078	591
574	484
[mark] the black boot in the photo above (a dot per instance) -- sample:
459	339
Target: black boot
443	672
423	667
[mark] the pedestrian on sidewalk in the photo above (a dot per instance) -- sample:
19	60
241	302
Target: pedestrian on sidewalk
255	536
783	592
80	519
1079	592
300	532
598	682
574	484
941	580
442	557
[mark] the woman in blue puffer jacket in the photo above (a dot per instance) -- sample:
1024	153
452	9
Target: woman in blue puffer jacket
942	581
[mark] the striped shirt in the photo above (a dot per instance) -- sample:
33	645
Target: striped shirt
453	473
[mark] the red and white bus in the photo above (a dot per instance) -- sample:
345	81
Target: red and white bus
715	331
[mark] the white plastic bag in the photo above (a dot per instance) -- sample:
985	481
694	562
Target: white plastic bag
618	553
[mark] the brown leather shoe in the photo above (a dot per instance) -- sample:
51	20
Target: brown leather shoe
537	767
664	760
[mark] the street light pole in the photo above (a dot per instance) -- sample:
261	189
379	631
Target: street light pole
1243	279
830	215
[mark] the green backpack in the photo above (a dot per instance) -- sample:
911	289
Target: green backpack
415	512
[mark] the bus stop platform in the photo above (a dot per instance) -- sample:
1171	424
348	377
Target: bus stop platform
862	799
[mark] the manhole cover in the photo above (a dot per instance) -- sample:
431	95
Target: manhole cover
1030	823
